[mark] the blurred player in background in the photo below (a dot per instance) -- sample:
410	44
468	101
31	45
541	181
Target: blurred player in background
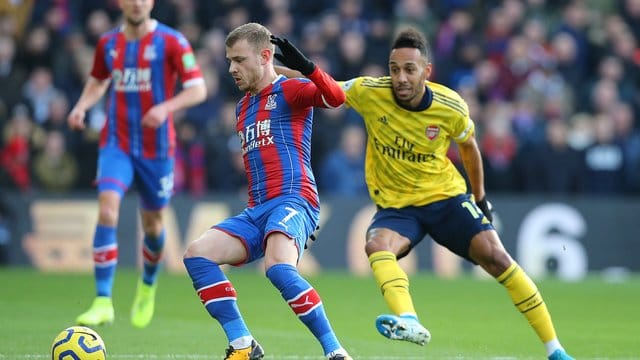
410	123
138	63
274	121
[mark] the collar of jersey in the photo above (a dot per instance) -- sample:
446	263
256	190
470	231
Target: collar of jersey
427	98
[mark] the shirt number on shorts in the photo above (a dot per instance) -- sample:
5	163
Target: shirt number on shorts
292	212
473	209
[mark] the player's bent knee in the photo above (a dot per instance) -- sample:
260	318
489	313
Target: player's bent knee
374	245
194	249
108	215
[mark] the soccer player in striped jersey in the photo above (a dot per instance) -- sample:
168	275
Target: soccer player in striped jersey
410	123
274	121
138	64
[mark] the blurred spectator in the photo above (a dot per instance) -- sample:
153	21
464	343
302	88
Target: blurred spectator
14	16
456	30
342	172
552	167
353	49
37	51
6	220
218	153
199	116
12	73
630	10
54	169
604	160
566	61
39	92
326	125
415	13
628	135
189	172
231	175
16	152
498	147
98	23
580	131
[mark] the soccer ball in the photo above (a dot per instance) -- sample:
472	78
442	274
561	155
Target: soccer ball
78	343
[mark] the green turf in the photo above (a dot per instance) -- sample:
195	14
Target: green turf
468	318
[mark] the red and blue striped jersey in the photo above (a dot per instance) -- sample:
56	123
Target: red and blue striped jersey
143	72
274	127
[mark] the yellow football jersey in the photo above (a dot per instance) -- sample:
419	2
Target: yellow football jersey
406	162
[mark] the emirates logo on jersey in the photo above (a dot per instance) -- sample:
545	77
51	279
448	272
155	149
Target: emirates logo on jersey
432	132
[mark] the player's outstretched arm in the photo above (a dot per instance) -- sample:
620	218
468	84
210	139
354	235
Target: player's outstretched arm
472	162
331	92
93	90
290	73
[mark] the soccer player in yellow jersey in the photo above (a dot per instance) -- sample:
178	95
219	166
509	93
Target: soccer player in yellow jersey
410	122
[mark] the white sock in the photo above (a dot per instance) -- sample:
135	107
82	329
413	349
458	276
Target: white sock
552	346
241	342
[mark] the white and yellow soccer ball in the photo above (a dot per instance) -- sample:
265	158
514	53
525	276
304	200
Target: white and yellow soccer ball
78	343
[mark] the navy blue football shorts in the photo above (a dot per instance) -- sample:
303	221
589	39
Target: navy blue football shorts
451	223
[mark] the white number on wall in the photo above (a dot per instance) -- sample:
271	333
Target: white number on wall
551	231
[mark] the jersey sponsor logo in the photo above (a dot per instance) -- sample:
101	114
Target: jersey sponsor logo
432	132
402	151
149	53
383	119
271	102
113	53
256	135
188	61
132	79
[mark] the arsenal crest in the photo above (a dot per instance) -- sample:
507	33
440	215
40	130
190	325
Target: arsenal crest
432	132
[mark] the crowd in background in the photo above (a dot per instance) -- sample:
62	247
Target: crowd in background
551	85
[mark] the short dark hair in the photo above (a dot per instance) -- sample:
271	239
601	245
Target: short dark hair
412	38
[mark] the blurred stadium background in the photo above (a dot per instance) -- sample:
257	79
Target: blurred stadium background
551	85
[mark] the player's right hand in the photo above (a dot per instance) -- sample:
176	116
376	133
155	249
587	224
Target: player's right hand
76	119
486	207
291	57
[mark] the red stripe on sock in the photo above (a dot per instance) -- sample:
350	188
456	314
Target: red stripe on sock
105	255
151	257
217	292
305	302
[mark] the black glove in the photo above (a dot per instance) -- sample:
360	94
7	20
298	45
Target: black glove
291	57
312	237
486	207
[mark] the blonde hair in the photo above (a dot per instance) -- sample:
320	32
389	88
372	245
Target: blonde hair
258	36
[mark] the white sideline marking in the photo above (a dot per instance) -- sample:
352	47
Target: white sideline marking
268	357
208	357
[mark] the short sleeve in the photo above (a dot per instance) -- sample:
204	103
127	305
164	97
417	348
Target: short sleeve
184	60
99	70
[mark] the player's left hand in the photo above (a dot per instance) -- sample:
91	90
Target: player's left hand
486	207
156	116
291	57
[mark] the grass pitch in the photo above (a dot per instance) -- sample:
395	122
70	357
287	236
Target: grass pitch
468	318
